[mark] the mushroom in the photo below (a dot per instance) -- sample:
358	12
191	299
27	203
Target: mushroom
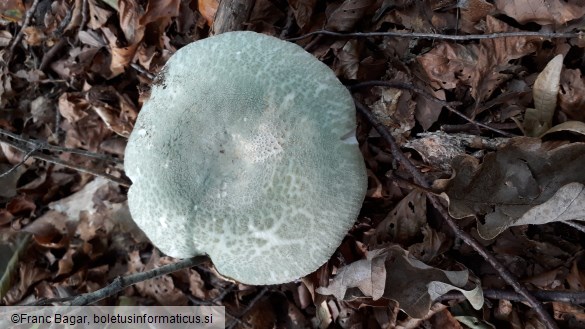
246	152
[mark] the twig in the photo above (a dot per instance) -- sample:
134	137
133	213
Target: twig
544	35
46	146
26	156
27	18
84	19
477	123
143	71
249	307
468	239
400	85
50	54
122	282
571	297
41	156
448	105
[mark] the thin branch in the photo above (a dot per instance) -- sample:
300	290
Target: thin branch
84	14
470	120
114	179
27	18
122	282
46	146
41	156
544	35
50	55
401	85
26	156
468	239
249	307
143	71
571	297
448	105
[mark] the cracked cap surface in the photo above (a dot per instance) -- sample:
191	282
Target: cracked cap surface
246	152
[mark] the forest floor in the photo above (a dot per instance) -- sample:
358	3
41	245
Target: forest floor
452	105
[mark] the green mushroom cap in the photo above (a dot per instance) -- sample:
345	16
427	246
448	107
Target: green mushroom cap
246	152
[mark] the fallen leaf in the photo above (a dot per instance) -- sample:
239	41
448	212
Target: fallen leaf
80	201
434	244
576	278
98	16
34	36
568	203
577	127
8	181
5	38
160	10
303	11
545	92
404	223
51	230
573	314
12	10
21	205
572	94
525	182
347	60
346	16
29	274
392	274
480	66
208	8
161	288
543	12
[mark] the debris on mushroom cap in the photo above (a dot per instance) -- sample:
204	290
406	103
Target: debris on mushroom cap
242	153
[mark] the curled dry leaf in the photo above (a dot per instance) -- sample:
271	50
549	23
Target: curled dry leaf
545	91
576	127
525	182
568	203
392	273
51	230
5	38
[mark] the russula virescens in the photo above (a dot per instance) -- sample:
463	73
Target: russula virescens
246	152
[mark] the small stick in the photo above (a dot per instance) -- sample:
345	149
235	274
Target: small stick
544	35
37	155
249	307
26	156
141	70
122	282
572	297
20	34
50	147
448	105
